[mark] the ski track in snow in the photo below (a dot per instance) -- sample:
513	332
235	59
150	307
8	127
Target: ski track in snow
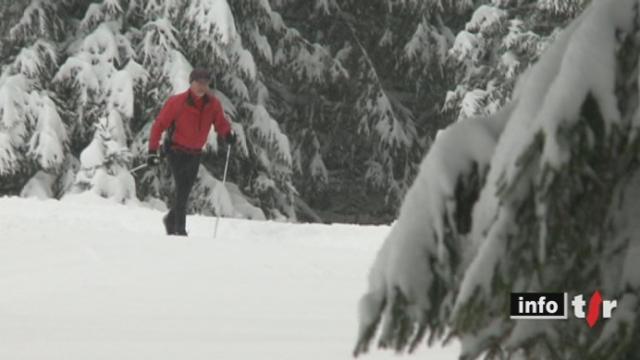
91	279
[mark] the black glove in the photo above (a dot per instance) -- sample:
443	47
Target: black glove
153	159
231	138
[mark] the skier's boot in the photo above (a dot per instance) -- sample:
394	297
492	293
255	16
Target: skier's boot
168	224
181	224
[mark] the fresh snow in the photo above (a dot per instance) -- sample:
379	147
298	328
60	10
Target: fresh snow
122	94
245	61
269	131
30	60
13	97
213	16
467	47
262	44
158	40
36	12
485	19
39	186
177	68
8	157
472	103
85	278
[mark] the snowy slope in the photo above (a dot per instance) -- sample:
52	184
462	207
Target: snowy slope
89	279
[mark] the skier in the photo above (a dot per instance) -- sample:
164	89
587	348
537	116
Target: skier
188	116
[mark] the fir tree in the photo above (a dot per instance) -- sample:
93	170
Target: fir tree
497	44
535	197
334	102
104	163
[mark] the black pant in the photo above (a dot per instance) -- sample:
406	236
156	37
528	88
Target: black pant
184	167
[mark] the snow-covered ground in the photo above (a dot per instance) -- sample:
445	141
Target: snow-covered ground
90	279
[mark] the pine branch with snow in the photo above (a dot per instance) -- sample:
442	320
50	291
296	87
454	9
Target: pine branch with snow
104	163
540	199
38	21
497	45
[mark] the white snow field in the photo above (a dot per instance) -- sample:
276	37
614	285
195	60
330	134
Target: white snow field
86	278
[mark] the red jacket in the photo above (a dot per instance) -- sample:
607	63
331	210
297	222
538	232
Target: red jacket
192	117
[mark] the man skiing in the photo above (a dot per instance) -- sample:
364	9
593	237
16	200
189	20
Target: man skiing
188	116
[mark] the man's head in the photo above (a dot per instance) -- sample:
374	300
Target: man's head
199	80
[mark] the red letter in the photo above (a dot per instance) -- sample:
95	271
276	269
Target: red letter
593	314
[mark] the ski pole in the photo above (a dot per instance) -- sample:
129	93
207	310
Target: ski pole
224	179
140	167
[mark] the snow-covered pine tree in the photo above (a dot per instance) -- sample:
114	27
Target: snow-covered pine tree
497	44
399	52
540	196
104	163
392	56
306	66
16	116
95	71
33	138
292	70
307	89
400	60
116	59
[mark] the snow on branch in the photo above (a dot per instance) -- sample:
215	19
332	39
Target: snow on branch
92	69
177	69
213	16
486	19
15	114
519	39
159	39
307	62
47	145
531	198
244	59
414	260
561	6
104	163
81	72
268	134
211	25
121	93
468	47
97	13
37	21
8	156
159	8
35	59
261	43
427	44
